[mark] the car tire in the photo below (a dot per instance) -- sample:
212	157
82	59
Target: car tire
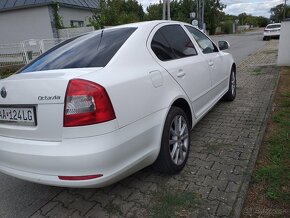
264	38
175	143
231	93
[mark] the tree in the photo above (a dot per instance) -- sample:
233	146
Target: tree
213	14
180	10
116	12
154	11
242	18
262	21
277	13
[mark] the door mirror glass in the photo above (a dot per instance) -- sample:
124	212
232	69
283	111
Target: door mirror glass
223	45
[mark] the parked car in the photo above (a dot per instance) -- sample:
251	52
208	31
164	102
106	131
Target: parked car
99	107
272	31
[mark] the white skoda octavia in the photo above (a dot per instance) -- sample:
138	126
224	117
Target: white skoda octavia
99	107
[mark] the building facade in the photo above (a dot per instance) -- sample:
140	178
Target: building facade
22	20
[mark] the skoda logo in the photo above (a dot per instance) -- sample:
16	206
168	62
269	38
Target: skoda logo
3	92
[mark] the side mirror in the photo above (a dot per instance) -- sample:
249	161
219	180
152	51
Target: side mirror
223	45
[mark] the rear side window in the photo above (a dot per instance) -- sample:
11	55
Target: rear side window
91	50
161	47
172	42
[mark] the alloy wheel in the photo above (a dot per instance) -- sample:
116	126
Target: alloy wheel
178	140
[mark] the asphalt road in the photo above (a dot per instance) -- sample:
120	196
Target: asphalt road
242	45
21	199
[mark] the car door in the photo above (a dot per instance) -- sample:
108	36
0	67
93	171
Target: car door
176	53
216	62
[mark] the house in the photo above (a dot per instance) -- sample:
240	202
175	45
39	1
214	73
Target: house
40	19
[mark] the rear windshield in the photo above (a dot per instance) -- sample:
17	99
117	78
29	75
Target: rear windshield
91	50
274	26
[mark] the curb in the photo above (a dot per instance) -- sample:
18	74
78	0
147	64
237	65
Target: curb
238	205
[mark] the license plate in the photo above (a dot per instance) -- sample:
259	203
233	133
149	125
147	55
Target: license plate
18	115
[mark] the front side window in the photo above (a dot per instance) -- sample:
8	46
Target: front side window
91	50
172	42
202	40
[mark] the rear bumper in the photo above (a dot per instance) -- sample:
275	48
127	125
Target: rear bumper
271	34
115	155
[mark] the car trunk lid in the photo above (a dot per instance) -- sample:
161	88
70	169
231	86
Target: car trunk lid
33	107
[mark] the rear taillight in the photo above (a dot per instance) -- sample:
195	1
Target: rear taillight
86	103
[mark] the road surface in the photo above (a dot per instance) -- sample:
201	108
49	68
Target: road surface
242	45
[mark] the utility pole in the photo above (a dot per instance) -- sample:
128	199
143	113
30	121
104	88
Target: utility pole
200	13
285	9
197	9
166	10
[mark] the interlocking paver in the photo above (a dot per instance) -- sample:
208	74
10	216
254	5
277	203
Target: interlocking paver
223	146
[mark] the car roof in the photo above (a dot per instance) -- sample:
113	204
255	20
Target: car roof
146	24
272	24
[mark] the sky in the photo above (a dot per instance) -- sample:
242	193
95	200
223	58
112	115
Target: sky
236	7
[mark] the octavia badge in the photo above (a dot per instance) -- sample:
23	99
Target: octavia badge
3	92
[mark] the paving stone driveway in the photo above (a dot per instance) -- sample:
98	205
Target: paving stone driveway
224	147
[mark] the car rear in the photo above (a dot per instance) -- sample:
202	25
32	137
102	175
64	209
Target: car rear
272	31
59	129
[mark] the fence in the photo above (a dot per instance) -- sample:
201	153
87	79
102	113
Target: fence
24	52
72	32
12	54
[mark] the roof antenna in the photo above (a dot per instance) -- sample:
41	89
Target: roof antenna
94	16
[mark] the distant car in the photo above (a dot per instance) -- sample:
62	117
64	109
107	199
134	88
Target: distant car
99	107
272	31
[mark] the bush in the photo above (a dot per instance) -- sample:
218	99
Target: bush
227	27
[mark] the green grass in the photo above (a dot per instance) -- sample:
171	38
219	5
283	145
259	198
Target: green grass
287	94
286	103
177	204
7	71
4	74
282	118
276	173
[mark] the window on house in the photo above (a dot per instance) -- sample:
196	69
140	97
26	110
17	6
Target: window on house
76	23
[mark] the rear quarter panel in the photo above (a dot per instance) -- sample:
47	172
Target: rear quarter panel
129	84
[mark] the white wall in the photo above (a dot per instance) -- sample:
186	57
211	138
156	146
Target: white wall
69	14
19	25
284	44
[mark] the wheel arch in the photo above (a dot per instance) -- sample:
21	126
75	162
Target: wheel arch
184	105
234	66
